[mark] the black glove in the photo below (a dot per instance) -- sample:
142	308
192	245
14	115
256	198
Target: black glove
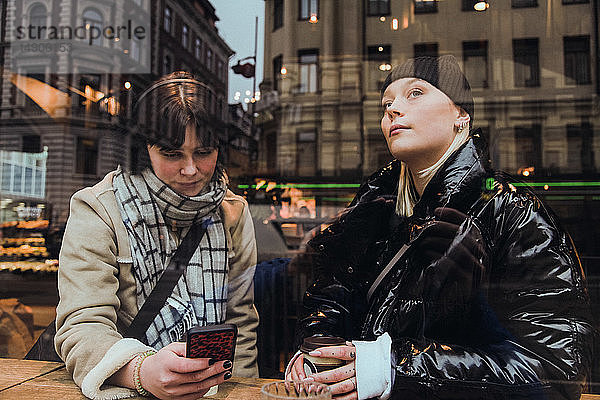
454	252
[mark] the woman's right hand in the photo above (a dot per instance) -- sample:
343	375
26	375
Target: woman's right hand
168	374
296	370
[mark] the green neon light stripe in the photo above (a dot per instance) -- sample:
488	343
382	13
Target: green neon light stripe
556	184
340	199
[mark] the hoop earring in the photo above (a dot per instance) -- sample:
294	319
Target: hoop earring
461	127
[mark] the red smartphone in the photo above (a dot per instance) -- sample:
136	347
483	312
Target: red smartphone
212	341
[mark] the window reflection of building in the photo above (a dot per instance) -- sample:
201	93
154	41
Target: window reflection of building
308	60
93	18
278	14
577	60
307	153
88	132
425	6
378	7
37	15
426	49
526	62
475	59
308	9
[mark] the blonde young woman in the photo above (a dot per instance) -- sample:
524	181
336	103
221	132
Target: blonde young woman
121	234
450	282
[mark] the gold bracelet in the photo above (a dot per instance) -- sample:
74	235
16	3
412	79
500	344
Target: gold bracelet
136	372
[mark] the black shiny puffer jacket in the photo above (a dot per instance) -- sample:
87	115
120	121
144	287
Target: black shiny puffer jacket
525	334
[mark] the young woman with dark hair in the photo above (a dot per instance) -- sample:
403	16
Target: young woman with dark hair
120	236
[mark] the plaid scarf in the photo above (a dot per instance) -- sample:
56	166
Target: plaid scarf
150	209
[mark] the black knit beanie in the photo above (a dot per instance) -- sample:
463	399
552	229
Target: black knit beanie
443	73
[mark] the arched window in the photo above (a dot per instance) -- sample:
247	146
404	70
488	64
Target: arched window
37	15
92	17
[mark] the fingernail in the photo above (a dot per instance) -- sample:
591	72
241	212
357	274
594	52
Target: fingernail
227	375
227	364
211	361
309	379
315	353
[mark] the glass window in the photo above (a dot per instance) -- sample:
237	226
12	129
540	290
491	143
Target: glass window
92	17
31	144
425	49
528	139
577	60
37	15
220	70
168	19
185	36
523	3
86	157
526	62
475	65
308	70
379	65
378	7
167	64
277	65
575	1
580	148
308	9
425	6
307	153
277	14
209	58
198	48
469	5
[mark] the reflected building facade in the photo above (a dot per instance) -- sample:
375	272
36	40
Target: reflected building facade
532	65
82	113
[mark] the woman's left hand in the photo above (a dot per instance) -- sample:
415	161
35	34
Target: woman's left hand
342	380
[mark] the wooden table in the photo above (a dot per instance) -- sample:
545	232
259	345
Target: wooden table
32	380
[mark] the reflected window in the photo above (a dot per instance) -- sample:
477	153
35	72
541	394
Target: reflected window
277	14
167	64
209	58
529	142
277	65
378	7
89	84
37	15
575	1
469	5
31	144
306	153
580	149
220	70
92	17
168	19
577	60
308	70
198	48
380	59
425	49
425	6
475	58
185	36
526	62
523	3
86	157
308	9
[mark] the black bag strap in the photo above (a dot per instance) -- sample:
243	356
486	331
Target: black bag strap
165	285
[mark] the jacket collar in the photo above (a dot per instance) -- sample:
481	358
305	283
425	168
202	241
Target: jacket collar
456	184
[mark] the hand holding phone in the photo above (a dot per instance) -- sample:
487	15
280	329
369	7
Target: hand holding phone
212	341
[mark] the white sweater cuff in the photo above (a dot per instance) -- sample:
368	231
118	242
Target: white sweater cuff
374	367
120	353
